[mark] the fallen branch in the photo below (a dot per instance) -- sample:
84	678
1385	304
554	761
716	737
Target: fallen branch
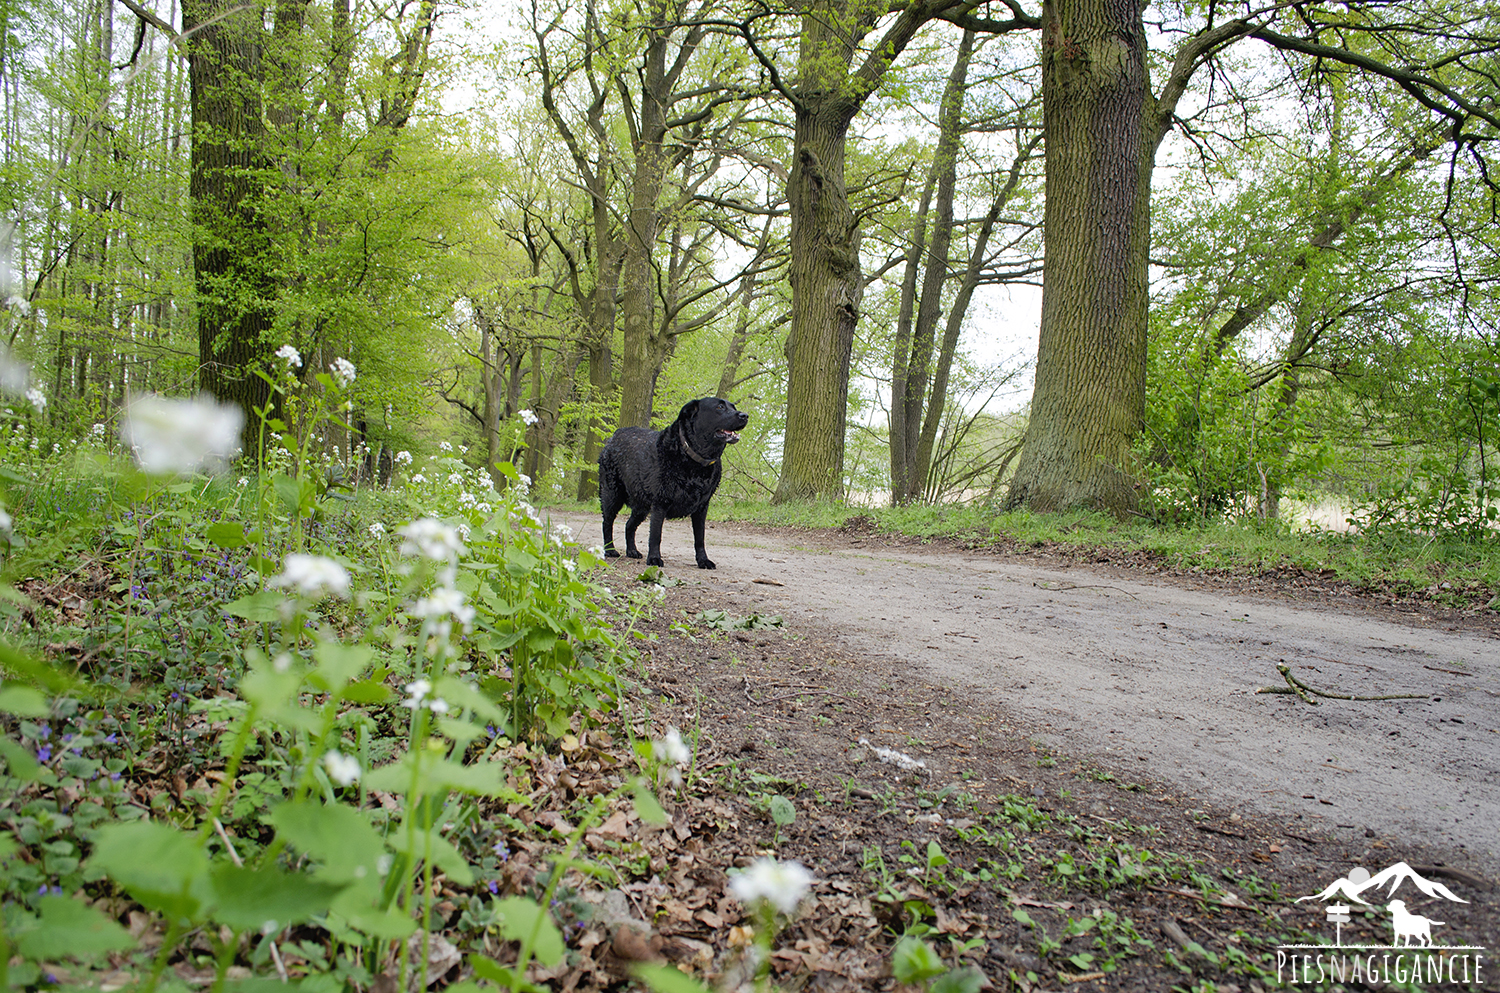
1301	689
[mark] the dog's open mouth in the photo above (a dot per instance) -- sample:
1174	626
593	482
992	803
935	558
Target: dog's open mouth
727	437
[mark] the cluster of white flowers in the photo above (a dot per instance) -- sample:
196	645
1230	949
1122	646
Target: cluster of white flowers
377	529
673	753
418	696
313	576
290	356
444	606
445	446
528	418
180	435
431	539
402	458
781	884
892	757
343	372
37	398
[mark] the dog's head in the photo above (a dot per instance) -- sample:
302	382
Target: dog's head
1398	906
711	424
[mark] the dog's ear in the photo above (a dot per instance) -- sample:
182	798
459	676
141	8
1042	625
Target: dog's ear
689	411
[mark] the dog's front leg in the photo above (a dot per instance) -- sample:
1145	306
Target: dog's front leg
700	521
653	549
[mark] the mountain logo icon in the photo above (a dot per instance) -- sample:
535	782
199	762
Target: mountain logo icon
1360	881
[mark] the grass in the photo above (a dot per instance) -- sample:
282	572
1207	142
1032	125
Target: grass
1452	570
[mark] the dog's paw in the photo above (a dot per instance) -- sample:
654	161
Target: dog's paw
631	553
656	561
706	564
610	553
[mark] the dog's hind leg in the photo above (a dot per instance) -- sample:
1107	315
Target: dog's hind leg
634	521
611	499
700	521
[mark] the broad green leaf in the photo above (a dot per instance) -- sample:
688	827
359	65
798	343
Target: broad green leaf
438	775
667	979
263	607
338	663
502	976
19	763
73	929
227	534
339	836
366	692
647	807
782	811
523	919
445	856
23	701
267	900
163	868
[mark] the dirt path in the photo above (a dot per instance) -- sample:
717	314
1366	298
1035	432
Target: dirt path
1145	675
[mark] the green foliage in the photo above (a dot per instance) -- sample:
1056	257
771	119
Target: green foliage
262	626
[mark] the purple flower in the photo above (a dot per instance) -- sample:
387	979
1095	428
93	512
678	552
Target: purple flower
494	887
43	754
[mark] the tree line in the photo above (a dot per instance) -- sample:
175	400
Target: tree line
1264	235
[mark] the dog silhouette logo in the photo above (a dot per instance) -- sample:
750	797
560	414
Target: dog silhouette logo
1414	956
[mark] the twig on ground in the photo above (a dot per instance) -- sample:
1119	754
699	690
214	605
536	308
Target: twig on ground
1297	686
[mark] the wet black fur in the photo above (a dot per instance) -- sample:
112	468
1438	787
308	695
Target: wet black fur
653	473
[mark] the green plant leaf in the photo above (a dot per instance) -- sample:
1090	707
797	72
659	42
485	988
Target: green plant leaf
782	810
913	960
338	663
227	534
263	607
667	979
966	980
487	968
165	869
19	763
647	807
522	919
267	900
23	701
73	929
340	837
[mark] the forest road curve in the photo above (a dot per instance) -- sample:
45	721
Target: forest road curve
1142	675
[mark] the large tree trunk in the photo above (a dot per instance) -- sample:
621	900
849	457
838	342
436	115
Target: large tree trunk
826	288
1101	127
230	237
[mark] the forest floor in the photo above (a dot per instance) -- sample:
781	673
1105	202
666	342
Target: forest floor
1105	800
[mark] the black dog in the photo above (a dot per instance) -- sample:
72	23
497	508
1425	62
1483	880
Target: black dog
671	473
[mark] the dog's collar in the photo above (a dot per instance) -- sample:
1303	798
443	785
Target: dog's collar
682	436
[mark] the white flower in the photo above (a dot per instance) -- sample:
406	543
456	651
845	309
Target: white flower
180	435
455	478
290	355
37	398
402	458
438	705
527	417
431	539
443	603
343	371
419	478
783	885
445	446
418	688
377	529
313	575
671	748
97	431
342	769
19	304
243	482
